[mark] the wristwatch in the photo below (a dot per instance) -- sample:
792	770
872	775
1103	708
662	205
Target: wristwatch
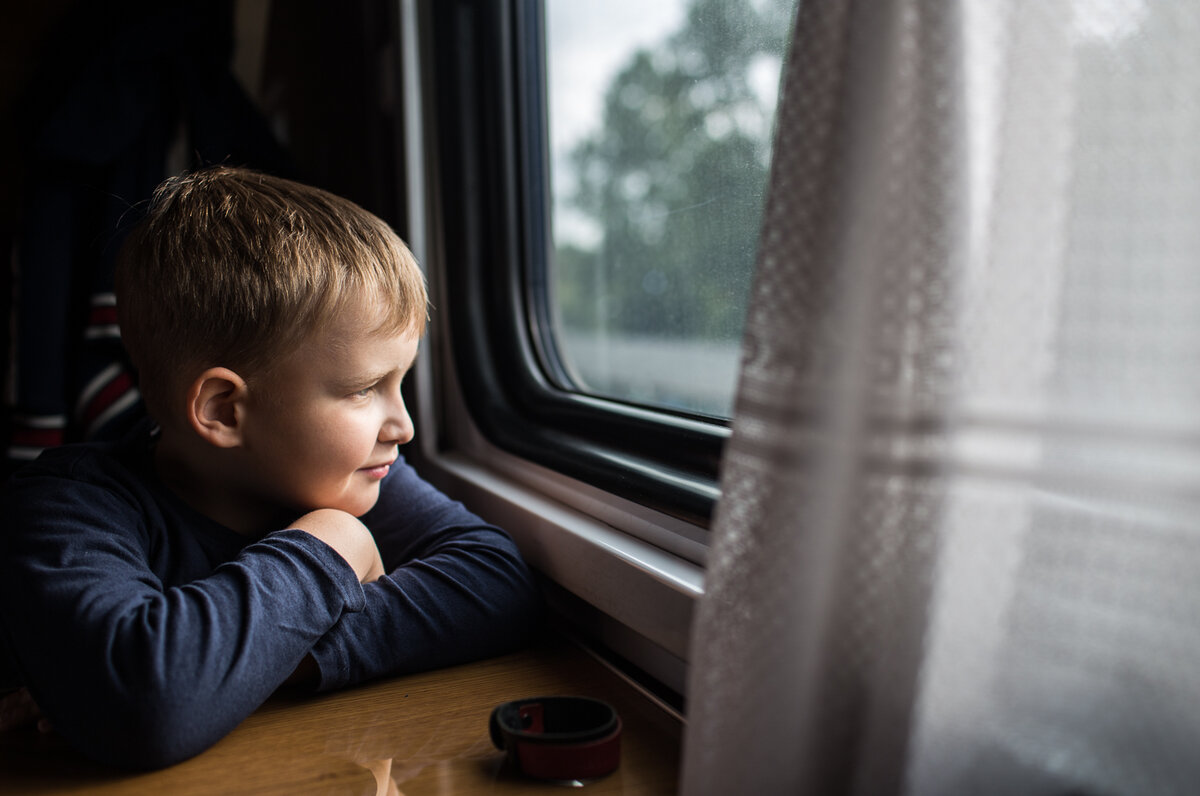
558	737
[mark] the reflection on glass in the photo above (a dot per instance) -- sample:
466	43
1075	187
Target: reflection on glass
660	128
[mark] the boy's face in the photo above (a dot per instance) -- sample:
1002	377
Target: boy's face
321	430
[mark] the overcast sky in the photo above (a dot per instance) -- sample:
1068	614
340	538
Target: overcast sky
587	41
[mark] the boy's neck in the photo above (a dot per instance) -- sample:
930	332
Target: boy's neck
207	481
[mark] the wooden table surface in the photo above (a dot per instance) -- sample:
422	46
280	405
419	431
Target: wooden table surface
414	735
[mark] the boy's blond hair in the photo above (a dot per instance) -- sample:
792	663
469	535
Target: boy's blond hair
233	268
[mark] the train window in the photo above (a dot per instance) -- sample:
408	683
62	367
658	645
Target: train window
601	170
659	131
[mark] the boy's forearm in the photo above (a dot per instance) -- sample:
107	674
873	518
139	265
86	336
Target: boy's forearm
456	589
174	670
472	598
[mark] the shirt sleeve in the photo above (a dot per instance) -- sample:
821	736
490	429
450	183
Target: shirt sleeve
457	590
134	672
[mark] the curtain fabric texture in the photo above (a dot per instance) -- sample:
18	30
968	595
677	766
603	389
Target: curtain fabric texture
958	549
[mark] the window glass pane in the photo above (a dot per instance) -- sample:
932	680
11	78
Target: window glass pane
660	117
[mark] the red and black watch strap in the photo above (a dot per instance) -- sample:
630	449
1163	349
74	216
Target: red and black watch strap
559	737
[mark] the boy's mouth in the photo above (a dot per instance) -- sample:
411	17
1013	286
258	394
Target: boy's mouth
377	470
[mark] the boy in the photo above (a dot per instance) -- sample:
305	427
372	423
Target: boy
154	591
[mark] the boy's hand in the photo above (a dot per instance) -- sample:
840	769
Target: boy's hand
17	709
349	537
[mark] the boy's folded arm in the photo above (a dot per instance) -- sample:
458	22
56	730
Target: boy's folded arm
471	598
458	590
170	670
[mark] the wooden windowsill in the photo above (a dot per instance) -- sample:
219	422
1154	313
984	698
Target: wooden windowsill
413	735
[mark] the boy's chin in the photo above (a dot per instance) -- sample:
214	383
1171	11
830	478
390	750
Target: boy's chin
353	502
359	506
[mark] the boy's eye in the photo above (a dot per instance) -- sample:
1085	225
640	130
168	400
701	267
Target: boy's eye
364	392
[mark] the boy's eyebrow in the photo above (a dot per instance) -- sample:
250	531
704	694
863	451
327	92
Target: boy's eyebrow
371	376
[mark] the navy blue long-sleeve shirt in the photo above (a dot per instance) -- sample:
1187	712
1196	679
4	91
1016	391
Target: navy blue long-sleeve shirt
145	631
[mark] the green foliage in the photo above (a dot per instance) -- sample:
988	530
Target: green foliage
675	179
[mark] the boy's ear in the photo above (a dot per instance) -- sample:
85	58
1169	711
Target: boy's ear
215	406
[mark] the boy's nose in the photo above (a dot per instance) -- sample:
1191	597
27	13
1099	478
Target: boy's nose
398	428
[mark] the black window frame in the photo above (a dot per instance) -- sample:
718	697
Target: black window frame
491	134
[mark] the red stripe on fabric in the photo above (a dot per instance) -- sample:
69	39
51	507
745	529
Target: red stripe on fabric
106	397
36	437
102	316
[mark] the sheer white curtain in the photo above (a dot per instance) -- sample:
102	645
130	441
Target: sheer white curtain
959	545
